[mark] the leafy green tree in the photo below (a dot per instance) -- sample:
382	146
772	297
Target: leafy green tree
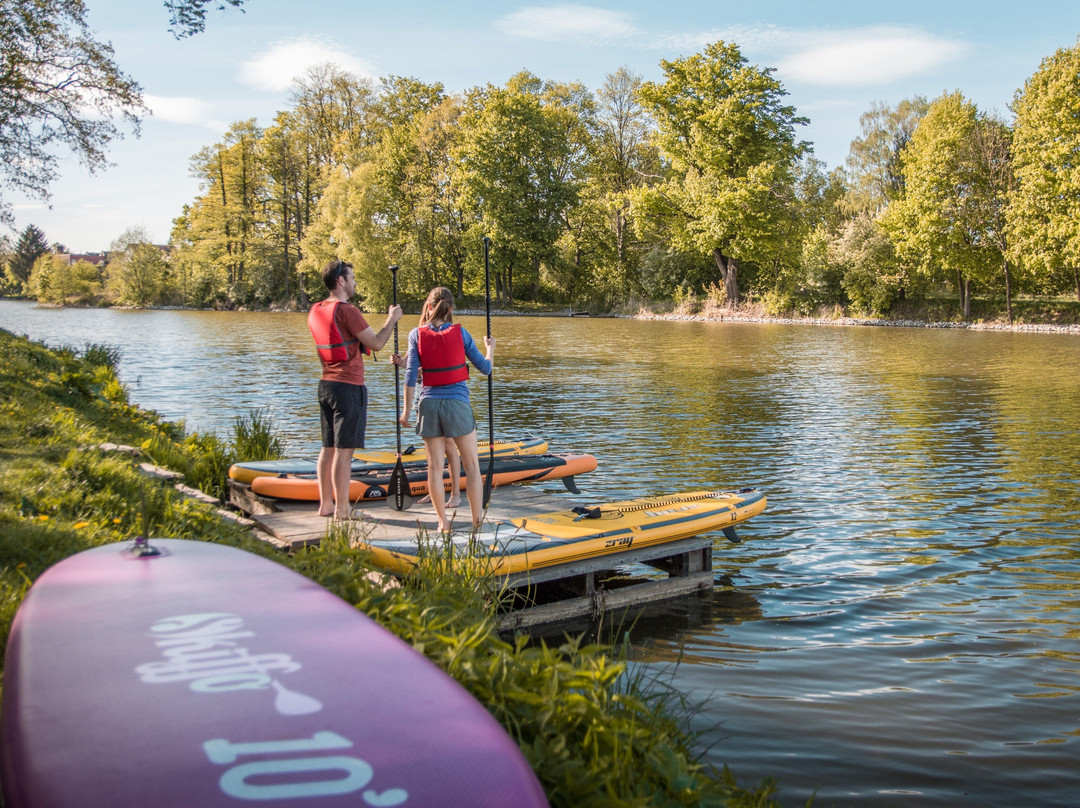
287	206
230	210
521	173
950	219
138	276
1044	210
350	224
874	177
623	158
54	280
48	279
786	279
417	180
30	246
60	92
8	283
731	143
440	224
865	256
333	116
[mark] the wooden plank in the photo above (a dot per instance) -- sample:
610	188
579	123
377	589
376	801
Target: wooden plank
604	600
243	498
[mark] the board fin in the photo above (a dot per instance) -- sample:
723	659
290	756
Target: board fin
571	486
731	535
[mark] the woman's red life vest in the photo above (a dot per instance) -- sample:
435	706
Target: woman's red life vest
442	355
331	343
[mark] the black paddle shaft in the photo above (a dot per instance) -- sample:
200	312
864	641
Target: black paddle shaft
398	492
397	369
491	404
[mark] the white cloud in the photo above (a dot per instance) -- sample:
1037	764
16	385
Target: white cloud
177	109
278	65
839	58
869	56
567	23
748	39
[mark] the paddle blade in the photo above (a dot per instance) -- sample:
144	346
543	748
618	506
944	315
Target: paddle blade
398	493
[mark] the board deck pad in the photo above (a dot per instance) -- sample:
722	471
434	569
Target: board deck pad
512	545
374	485
208	676
372	462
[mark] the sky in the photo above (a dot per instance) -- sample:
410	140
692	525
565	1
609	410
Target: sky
834	58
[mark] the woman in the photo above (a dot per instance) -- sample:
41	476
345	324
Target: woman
440	348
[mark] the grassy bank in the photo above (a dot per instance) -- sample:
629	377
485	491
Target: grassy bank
595	734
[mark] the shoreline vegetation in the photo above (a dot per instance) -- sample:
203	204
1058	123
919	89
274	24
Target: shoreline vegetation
1037	315
597	730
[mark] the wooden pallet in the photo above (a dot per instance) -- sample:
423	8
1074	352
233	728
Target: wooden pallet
543	597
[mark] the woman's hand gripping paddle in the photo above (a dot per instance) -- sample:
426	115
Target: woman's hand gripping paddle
398	493
491	406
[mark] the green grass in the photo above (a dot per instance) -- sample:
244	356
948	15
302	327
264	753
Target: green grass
596	733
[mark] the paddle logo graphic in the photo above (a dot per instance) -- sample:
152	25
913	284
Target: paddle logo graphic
208	652
204	650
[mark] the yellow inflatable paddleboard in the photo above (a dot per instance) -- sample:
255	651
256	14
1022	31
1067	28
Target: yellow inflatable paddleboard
543	540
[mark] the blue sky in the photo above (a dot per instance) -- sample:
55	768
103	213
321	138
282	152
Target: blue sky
834	58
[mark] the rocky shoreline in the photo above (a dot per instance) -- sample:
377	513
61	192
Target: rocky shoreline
734	317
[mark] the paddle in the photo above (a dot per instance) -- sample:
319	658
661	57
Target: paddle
491	405
398	493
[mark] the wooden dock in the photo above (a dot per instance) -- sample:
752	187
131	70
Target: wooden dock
541	599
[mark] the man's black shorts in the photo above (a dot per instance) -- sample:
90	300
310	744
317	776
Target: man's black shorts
343	414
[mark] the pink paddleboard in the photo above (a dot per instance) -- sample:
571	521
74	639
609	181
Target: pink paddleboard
208	676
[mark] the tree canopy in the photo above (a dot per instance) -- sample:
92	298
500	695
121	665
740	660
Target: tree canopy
60	91
1044	212
188	17
731	141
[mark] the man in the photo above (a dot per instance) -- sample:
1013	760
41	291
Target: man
340	333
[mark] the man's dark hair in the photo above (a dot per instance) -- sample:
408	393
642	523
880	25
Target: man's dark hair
332	273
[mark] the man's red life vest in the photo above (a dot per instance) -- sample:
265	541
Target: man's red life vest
331	343
442	355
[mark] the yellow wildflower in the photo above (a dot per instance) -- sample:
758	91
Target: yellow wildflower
80	525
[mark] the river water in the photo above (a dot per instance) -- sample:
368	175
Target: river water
900	628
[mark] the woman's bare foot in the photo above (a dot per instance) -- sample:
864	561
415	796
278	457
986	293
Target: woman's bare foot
453	502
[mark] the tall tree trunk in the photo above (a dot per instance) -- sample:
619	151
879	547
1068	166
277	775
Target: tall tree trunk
1076	280
967	298
729	273
960	292
1008	292
285	215
225	221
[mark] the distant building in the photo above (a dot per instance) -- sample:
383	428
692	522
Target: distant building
97	259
